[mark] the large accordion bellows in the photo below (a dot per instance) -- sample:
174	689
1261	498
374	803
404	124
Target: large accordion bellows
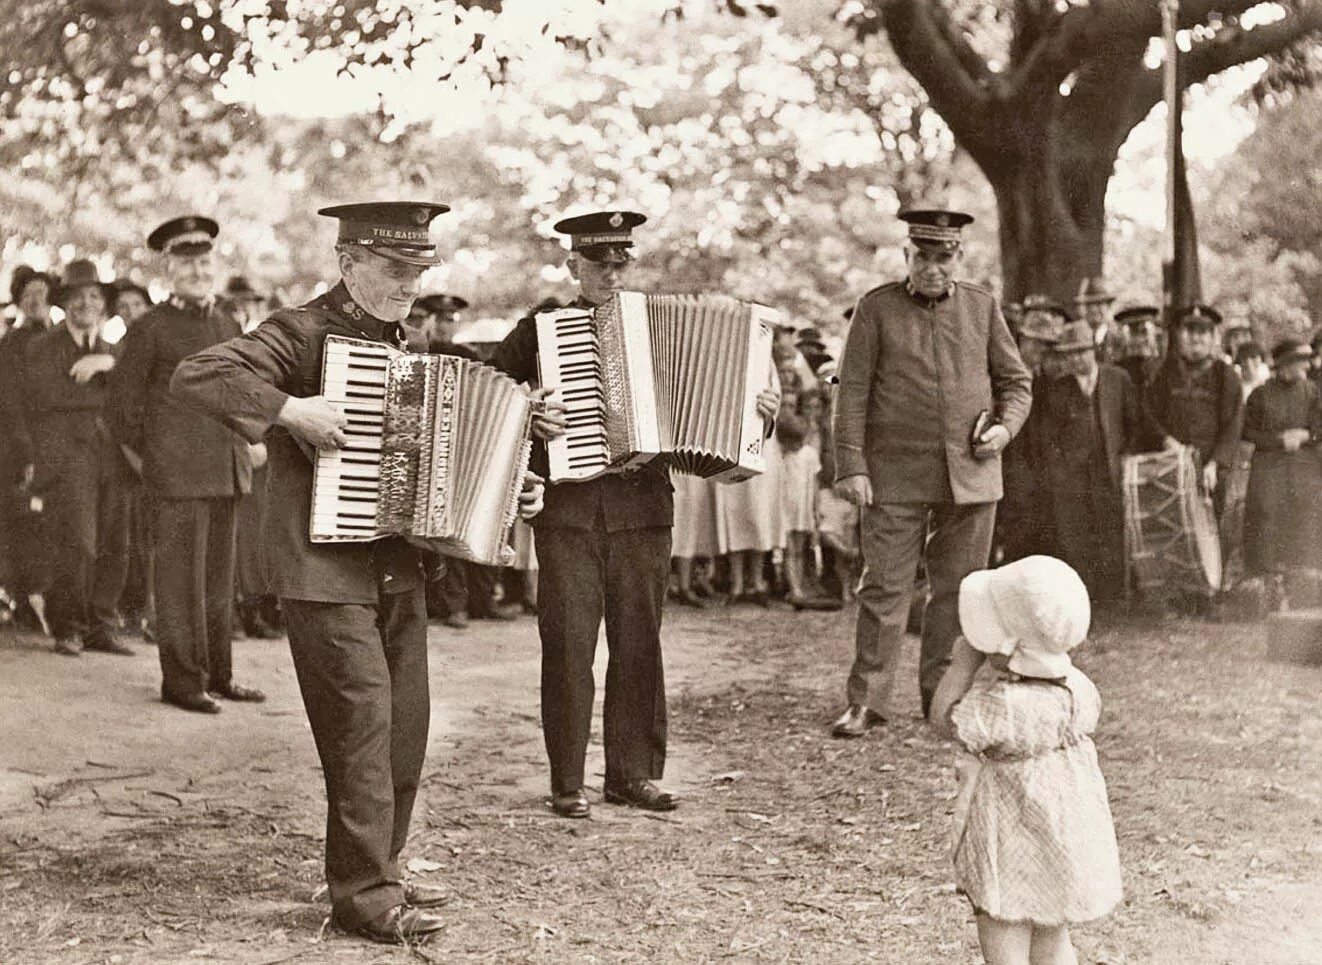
438	448
648	374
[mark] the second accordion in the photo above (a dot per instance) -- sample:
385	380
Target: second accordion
642	375
438	448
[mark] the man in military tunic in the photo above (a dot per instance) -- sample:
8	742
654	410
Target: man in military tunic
931	390
354	611
193	470
603	547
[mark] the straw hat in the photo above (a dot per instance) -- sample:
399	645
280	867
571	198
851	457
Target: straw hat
1034	610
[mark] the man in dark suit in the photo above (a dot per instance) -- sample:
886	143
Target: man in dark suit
194	471
1084	419
354	612
932	389
603	547
76	469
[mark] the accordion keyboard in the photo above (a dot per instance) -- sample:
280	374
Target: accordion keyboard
575	366
346	487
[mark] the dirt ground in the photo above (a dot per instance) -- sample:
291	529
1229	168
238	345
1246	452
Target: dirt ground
131	832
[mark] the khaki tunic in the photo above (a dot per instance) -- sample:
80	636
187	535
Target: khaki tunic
914	376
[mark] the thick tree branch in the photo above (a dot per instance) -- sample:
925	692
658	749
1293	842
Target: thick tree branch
924	47
1233	46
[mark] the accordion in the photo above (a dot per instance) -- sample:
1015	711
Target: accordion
437	447
642	375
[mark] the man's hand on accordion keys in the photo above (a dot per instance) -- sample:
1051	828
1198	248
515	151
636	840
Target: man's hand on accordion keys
550	416
315	421
531	498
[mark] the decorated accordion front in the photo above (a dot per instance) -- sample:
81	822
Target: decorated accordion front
438	448
647	374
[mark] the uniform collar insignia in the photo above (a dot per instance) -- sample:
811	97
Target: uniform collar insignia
925	300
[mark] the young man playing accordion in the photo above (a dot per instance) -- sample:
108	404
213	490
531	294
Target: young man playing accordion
603	547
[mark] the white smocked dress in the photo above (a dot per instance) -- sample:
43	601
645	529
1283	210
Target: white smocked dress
1034	839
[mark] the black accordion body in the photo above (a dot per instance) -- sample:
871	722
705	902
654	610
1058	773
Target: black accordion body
438	448
643	375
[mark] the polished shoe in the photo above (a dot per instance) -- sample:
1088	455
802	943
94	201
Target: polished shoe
502	611
571	805
641	794
69	646
400	925
198	703
106	643
234	692
856	721
419	895
457	620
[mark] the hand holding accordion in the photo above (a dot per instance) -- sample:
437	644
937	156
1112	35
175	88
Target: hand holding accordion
642	375
437	447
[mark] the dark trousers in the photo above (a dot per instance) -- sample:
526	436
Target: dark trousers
88	527
362	671
587	575
465	587
193	562
958	542
1090	526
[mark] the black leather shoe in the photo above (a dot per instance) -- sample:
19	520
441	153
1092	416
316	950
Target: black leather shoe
107	644
69	646
641	794
400	925
689	598
420	895
856	721
198	703
234	692
571	805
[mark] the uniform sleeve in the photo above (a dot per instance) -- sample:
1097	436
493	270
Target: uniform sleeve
1255	423
16	406
516	356
1230	418
1012	383
241	382
126	404
858	362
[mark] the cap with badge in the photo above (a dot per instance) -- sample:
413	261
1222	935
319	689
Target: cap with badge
602	236
190	235
398	230
936	229
1137	315
1198	316
441	303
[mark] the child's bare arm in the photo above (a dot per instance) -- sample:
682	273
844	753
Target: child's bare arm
964	664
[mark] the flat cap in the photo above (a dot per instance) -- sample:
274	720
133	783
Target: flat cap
441	303
398	230
1134	314
602	236
1198	316
191	234
938	229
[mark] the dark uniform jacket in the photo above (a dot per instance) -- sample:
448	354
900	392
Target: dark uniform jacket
914	376
620	501
1120	425
185	454
13	352
62	430
244	383
1202	409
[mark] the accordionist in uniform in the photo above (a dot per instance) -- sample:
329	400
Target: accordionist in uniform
603	549
355	612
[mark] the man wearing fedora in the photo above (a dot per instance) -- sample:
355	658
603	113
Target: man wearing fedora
193	470
931	390
1092	304
354	612
1085	417
77	470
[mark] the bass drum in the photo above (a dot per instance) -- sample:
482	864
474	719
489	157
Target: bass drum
1171	538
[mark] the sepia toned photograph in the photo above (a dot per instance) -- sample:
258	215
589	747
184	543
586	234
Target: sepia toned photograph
661	481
